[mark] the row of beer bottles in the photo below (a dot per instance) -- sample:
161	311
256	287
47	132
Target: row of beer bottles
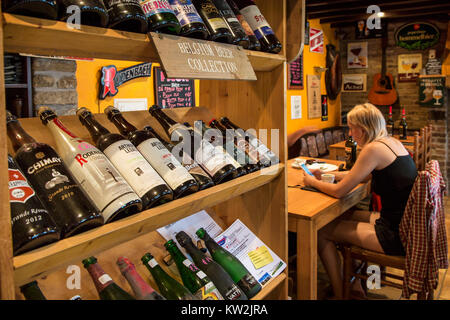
238	22
83	186
223	277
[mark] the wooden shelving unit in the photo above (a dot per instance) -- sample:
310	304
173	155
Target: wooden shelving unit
258	200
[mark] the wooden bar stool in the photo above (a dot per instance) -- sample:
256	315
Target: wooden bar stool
419	149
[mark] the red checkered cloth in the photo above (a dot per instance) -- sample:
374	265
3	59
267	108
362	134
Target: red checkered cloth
423	234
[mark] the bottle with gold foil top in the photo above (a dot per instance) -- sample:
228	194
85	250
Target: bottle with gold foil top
96	175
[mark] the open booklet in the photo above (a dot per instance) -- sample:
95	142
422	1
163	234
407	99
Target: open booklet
239	240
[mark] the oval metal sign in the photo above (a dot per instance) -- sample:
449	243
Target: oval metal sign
417	36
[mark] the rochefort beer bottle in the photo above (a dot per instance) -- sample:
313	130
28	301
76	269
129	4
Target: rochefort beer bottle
261	28
126	15
32	226
160	16
141	176
96	175
54	185
191	23
45	9
240	37
217	26
350	152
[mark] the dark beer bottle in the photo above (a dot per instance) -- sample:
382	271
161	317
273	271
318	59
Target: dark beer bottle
204	181
224	283
403	127
44	169
240	37
238	272
350	152
191	23
126	15
164	162
390	123
93	12
261	28
31	291
217	26
45	9
160	16
253	41
141	176
31	224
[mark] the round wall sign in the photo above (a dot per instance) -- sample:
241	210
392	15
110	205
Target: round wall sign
417	36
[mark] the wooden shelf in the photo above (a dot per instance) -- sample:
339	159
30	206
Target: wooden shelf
16	85
43	261
270	287
53	38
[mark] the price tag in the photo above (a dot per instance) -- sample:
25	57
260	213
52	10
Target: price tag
260	257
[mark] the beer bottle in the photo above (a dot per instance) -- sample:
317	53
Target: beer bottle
45	9
238	272
403	126
31	291
390	123
261	28
93	12
191	23
240	37
160	16
224	283
210	158
217	26
204	181
164	162
44	169
107	289
126	15
97	176
193	278
350	152
170	288
141	176
141	289
253	41
31	224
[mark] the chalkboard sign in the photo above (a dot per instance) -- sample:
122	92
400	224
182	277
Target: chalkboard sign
173	93
295	74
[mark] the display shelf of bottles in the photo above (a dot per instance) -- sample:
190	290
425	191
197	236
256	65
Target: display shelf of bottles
53	38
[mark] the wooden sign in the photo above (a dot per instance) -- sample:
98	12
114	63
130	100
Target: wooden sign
354	82
199	59
432	91
295	74
314	97
173	93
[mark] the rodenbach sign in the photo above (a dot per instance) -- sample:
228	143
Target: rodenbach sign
199	59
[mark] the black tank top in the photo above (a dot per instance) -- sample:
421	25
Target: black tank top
393	184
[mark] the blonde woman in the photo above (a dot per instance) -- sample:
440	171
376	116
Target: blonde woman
385	160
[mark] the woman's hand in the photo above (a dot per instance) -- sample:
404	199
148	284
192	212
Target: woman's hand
317	173
309	180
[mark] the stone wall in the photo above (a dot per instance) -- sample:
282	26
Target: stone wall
55	85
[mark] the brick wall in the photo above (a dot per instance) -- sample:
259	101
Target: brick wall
55	85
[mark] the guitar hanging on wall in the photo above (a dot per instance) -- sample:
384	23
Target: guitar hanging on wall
383	92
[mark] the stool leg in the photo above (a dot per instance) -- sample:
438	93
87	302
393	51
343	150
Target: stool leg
348	266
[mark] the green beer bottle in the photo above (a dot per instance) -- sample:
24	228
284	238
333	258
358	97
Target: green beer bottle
31	291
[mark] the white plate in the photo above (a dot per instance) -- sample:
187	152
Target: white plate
325	167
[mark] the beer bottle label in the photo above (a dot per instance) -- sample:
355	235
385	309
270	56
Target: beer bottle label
247	282
152	7
112	3
192	166
257	21
348	153
19	189
233	293
211	158
185	12
208	292
133	167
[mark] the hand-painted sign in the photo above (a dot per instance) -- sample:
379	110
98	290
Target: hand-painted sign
111	78
417	36
173	93
315	40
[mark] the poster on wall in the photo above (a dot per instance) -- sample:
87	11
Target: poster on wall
409	66
417	36
431	91
354	82
324	107
363	32
314	97
296	107
357	55
295	74
315	40
173	93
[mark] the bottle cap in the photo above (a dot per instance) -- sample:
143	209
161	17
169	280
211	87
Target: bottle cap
46	114
87	262
29	284
83	112
182	238
146	257
212	120
10	117
110	111
169	244
124	264
201	233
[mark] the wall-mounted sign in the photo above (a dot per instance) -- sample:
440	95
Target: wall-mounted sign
111	79
315	40
199	59
314	97
354	82
173	93
409	66
357	55
296	107
431	91
363	32
417	36
295	74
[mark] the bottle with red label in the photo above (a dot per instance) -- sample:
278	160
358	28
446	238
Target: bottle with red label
97	176
390	123
254	43
403	126
160	16
32	226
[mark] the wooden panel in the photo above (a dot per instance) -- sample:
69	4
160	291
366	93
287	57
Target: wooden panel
295	32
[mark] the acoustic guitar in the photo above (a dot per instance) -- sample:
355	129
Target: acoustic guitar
383	92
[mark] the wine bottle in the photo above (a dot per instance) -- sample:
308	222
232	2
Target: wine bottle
265	156
253	41
164	162
31	224
204	181
44	169
97	176
211	136
45	9
126	15
390	123
93	12
107	289
240	37
350	152
142	290
238	272
193	278
31	291
141	176
211	159
261	28
217	26
160	16
170	288
403	126
226	286
190	21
